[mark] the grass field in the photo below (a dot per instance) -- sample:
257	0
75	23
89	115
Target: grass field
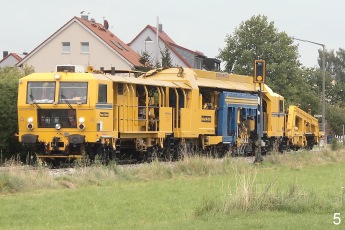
293	191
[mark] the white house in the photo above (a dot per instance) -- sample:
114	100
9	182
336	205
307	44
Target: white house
11	59
82	42
146	40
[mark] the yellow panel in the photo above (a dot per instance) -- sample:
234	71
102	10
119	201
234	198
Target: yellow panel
206	121
140	81
214	140
182	85
165	119
226	84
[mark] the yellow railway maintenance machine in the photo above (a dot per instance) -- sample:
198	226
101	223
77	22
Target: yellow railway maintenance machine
64	114
219	110
302	129
113	114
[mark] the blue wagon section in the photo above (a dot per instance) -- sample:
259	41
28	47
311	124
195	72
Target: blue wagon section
237	119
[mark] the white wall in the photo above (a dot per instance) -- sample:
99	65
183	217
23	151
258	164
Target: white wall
9	61
138	45
45	59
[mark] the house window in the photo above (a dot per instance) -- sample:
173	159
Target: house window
198	63
84	47
66	47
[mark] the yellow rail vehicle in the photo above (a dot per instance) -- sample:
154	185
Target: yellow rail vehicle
232	100
64	114
117	116
302	130
59	112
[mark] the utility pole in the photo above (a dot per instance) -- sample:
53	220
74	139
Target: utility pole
157	40
258	157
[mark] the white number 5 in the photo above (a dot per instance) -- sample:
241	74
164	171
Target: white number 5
336	218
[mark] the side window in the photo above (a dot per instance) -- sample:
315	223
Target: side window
120	89
281	106
102	93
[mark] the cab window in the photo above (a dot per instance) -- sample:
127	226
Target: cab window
40	92
73	92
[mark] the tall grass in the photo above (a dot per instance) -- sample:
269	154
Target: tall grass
303	158
250	196
20	178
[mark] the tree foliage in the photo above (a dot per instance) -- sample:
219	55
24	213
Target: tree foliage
257	38
334	88
334	63
166	58
145	61
9	78
335	119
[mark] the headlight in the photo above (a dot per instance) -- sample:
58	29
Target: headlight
81	120
30	126
58	126
30	120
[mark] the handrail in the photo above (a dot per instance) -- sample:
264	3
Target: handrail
147	108
177	107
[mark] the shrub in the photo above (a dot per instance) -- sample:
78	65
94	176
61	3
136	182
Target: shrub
334	144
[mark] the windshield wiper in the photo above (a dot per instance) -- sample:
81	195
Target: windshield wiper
33	101
65	99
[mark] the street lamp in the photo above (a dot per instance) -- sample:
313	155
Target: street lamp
147	40
323	82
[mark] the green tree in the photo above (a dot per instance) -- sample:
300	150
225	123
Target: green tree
339	66
166	58
257	38
335	119
334	88
145	61
9	78
334	63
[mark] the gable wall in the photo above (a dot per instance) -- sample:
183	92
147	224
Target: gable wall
9	61
138	46
47	57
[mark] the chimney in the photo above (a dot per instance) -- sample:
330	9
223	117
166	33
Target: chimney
4	54
25	53
85	17
160	27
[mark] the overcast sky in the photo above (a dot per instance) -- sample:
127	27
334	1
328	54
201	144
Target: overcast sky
195	24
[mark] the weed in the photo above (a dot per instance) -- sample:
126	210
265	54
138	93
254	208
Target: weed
208	207
10	183
250	196
334	144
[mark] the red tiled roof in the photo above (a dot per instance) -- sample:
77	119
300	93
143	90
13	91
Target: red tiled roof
109	38
161	34
113	41
16	56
